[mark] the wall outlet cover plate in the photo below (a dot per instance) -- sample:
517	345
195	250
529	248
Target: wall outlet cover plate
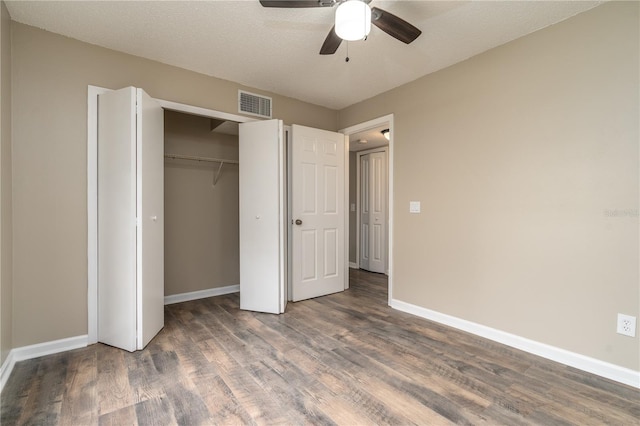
626	325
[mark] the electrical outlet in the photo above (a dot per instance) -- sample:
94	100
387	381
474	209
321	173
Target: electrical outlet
626	325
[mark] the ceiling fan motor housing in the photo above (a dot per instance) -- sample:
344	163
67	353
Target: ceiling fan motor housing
353	20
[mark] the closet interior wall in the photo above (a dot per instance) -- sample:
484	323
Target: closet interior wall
201	221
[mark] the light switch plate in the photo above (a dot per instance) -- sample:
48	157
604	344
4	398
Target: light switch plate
414	206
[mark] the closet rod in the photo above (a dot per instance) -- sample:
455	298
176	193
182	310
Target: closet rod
207	159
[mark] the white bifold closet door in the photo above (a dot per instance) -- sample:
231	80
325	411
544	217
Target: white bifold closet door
373	211
262	216
130	218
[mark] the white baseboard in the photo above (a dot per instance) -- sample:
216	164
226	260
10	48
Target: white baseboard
48	348
353	265
201	294
6	369
581	362
38	350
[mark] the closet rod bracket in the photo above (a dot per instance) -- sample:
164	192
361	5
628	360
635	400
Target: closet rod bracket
216	176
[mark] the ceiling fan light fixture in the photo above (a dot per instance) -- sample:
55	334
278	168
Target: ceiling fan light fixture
353	20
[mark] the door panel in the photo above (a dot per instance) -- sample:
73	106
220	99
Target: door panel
117	218
262	215
310	188
317	181
309	254
330	253
150	184
330	182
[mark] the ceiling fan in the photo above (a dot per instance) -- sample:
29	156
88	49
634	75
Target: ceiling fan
353	27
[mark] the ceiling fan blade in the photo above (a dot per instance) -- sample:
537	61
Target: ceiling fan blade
331	43
394	26
296	3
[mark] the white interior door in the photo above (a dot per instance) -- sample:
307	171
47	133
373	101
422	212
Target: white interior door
373	211
117	218
317	180
130	272
150	207
262	216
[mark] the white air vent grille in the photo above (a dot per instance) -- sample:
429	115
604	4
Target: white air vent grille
253	104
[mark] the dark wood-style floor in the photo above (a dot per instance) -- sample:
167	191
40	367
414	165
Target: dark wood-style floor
343	359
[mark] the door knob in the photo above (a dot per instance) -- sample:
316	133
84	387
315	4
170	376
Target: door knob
298	222
154	218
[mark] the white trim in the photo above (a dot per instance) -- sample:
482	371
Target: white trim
345	217
92	211
92	190
282	220
386	120
353	265
201	294
48	348
287	142
6	369
204	112
358	208
563	356
38	350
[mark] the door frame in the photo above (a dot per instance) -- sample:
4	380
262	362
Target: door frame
386	120
359	154
92	190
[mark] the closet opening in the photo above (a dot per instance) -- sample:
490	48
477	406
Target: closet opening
201	246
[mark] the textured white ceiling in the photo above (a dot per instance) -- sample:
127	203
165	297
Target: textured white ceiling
277	49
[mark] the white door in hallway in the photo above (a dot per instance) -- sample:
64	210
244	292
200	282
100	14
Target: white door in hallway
318	215
130	218
373	211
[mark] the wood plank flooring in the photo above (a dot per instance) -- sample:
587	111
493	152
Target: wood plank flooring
345	359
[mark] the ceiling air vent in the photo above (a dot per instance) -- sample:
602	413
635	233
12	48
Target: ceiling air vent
253	104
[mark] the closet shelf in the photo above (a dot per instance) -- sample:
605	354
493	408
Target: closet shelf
216	175
193	158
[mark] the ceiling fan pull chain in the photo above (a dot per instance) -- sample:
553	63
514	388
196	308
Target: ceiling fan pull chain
347	58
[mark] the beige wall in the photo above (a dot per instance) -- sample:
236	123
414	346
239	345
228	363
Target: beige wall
50	78
6	285
525	159
201	221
